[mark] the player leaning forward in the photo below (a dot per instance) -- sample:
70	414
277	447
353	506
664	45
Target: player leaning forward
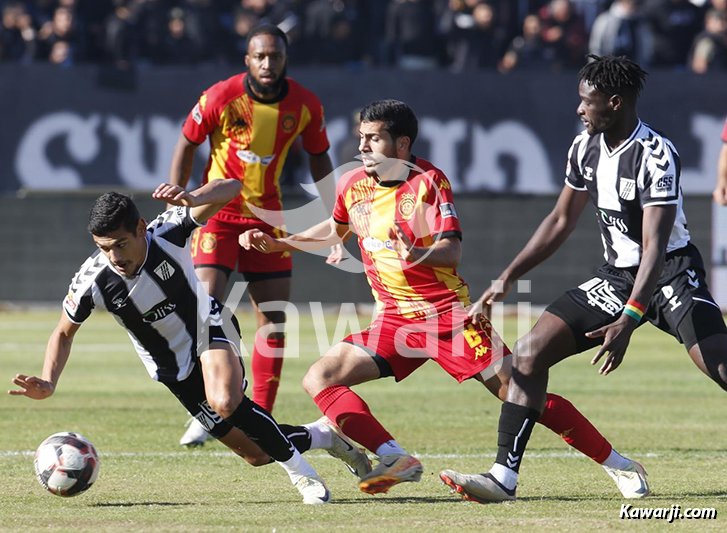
652	273
144	276
401	207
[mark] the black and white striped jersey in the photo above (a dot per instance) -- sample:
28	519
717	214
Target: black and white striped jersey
162	307
644	171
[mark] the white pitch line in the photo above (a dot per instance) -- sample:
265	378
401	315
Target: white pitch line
549	455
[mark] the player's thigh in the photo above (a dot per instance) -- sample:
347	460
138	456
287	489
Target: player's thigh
214	279
224	377
344	364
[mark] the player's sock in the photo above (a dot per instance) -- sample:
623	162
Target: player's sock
564	419
267	365
297	467
389	447
300	436
352	415
516	425
321	436
616	461
262	429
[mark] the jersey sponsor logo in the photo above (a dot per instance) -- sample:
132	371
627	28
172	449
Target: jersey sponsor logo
612	221
252	158
118	303
69	302
164	271
447	210
197	114
162	310
406	205
589	173
627	189
668	292
372	244
601	294
288	123
664	183
209	243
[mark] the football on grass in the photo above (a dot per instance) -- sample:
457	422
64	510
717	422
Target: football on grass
66	464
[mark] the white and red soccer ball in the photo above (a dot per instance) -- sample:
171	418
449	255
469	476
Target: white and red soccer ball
66	464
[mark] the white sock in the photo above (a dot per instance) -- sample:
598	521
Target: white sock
389	447
297	467
504	475
321	436
616	460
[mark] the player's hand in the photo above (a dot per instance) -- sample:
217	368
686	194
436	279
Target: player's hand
616	338
32	387
254	239
720	194
336	255
402	245
174	195
493	293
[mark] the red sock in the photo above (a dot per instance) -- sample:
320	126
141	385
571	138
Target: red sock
352	415
267	364
562	418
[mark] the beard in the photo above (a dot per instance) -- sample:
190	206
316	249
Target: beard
267	90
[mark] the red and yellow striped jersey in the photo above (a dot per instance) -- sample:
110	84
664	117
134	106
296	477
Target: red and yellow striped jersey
249	139
422	205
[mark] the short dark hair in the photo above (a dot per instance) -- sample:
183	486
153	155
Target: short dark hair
398	118
614	75
266	29
112	211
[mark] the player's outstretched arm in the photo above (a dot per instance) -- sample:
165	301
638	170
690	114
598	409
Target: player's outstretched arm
657	224
720	191
182	162
552	232
205	201
56	355
322	235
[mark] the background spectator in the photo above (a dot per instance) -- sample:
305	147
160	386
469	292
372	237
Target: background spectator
674	25
564	34
622	31
410	34
527	52
709	53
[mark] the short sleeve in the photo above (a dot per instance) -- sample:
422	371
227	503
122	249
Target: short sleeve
175	225
78	303
573	177
315	138
340	211
442	218
724	132
661	176
201	121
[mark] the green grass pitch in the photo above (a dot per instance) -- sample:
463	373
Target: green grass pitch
657	408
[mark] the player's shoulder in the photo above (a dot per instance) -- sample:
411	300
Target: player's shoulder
348	179
429	172
297	91
224	91
88	272
581	137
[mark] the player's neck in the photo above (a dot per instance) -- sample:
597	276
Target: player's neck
620	132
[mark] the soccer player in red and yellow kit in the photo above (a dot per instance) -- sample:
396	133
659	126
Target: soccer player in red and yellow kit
402	210
251	120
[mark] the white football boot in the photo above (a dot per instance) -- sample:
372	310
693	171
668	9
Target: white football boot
196	434
313	489
631	481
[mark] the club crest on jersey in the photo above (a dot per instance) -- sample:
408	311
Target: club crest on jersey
406	205
118	303
589	173
164	271
209	243
601	294
288	123
627	189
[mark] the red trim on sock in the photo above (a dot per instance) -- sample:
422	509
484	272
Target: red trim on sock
352	415
561	417
266	365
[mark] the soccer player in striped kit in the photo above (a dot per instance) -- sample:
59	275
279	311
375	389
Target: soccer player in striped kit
251	120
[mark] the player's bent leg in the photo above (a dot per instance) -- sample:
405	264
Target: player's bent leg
267	360
240	443
710	355
223	378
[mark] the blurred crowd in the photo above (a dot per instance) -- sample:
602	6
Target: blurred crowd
460	35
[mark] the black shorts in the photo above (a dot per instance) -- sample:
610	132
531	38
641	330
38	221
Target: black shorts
191	392
681	305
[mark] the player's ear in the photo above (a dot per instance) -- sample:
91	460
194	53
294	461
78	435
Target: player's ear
141	227
247	60
616	101
403	143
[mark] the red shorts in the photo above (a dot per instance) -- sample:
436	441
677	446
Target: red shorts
217	245
462	348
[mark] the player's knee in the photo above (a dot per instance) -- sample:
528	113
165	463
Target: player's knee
223	403
312	382
525	356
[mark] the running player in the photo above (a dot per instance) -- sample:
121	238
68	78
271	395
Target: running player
402	209
143	275
251	120
652	273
